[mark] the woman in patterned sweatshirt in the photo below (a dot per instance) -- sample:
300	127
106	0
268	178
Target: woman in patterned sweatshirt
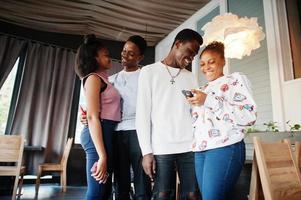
224	107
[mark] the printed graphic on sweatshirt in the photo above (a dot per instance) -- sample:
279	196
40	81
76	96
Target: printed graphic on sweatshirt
225	116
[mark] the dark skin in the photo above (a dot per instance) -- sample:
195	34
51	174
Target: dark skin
92	85
180	56
211	65
130	58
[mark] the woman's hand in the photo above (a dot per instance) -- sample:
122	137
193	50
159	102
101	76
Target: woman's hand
83	116
100	172
198	98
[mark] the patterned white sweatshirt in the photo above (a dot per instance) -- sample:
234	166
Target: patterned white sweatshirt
228	109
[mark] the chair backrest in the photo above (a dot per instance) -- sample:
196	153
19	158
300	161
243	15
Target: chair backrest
278	172
298	154
11	150
66	152
296	148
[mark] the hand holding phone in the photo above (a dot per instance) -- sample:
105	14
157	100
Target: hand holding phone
198	98
187	93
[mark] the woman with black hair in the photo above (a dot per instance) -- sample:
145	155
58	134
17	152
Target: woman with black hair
127	153
103	114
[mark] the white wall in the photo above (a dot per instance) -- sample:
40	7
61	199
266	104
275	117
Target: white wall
286	95
163	47
256	66
292	100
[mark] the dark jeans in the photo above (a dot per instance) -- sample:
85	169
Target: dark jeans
127	153
97	191
165	177
218	170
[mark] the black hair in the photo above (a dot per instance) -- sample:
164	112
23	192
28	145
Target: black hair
139	41
215	46
85	56
188	35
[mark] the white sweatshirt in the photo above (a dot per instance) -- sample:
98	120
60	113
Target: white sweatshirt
163	117
127	84
228	109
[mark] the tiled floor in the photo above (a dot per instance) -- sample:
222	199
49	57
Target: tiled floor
53	191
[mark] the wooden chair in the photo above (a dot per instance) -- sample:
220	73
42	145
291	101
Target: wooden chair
22	173
256	192
11	151
53	167
298	154
296	149
279	176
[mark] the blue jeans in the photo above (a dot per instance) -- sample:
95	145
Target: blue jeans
217	170
97	191
127	153
165	177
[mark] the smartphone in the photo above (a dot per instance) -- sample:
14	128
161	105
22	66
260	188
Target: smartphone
187	93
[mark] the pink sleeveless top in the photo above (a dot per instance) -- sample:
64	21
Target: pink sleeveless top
109	100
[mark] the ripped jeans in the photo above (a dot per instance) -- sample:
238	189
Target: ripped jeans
165	177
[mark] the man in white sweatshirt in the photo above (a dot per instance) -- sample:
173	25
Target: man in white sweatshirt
163	119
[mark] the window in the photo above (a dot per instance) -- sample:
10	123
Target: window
293	12
289	26
6	92
79	125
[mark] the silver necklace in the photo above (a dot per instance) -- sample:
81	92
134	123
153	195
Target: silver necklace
172	80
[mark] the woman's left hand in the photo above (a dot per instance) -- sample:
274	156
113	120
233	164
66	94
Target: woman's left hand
100	170
198	98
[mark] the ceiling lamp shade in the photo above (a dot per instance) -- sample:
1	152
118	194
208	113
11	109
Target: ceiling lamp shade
239	35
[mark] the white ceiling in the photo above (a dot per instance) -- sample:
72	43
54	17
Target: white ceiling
109	19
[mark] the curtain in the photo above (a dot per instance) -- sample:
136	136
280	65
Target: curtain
10	49
114	20
43	108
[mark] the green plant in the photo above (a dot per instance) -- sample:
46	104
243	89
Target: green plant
252	129
271	126
294	127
